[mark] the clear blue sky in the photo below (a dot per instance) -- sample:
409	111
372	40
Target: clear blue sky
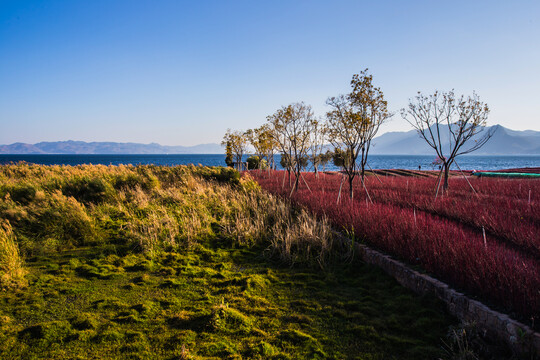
182	72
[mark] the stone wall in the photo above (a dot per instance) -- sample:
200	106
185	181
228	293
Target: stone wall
519	337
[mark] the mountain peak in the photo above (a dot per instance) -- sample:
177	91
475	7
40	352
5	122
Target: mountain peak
82	147
503	142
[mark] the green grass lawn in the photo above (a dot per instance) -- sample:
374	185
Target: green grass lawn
153	262
212	301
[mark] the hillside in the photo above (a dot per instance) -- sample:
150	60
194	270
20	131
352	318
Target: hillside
503	142
81	147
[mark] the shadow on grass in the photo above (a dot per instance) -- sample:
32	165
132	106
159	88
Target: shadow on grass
215	301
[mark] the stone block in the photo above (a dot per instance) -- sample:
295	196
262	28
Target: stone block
490	323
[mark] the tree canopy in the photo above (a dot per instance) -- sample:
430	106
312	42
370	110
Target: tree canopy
292	126
353	122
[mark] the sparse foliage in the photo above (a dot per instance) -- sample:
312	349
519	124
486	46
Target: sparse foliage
263	142
368	101
447	123
344	132
291	127
354	121
238	143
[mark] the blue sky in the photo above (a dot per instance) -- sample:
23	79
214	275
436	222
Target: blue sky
182	72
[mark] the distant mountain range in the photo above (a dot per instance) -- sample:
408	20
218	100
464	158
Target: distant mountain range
81	147
503	142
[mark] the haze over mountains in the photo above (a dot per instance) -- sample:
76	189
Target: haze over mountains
503	142
81	147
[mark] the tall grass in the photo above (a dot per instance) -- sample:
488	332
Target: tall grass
501	206
12	269
153	209
442	236
295	235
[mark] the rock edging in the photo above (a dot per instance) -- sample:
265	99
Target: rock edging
519	337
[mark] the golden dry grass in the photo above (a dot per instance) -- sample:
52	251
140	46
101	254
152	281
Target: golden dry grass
154	209
12	269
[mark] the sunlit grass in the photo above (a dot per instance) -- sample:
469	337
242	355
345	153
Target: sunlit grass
190	262
12	271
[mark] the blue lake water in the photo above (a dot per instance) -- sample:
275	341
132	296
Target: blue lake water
375	161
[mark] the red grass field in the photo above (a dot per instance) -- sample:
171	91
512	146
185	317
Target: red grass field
445	236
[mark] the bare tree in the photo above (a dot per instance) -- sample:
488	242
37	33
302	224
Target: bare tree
345	134
277	123
237	141
448	123
367	101
291	126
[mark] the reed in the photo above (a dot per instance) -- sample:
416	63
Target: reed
155	209
12	271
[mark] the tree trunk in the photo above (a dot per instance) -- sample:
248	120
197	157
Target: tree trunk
296	182
351	178
289	175
446	173
362	165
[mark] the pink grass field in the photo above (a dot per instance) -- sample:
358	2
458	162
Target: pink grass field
443	235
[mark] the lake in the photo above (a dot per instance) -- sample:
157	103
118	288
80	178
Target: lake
411	162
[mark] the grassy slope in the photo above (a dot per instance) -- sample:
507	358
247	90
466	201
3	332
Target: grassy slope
198	294
212	301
